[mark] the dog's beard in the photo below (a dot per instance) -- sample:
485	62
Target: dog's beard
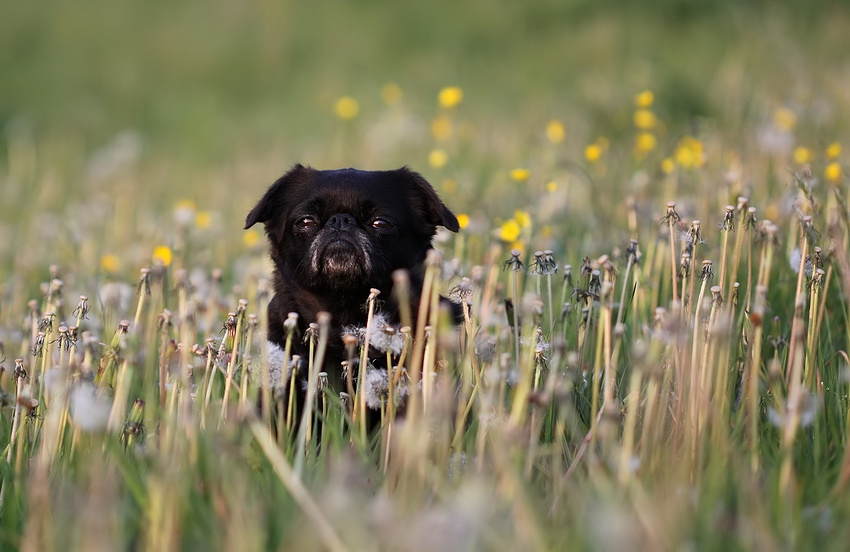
341	260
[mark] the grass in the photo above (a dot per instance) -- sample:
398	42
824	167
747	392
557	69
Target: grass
653	352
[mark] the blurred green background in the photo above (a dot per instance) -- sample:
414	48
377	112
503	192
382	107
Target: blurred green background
209	80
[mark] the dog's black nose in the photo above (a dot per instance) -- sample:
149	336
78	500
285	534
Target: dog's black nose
340	221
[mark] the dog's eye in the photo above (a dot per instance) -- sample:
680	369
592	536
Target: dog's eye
306	222
382	224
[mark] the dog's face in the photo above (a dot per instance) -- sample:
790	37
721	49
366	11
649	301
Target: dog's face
345	229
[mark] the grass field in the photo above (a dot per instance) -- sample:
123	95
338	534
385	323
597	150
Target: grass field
659	191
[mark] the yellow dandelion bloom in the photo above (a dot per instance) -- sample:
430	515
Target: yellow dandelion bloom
251	238
667	165
551	186
441	128
784	118
391	93
346	108
110	263
449	186
644	99
523	218
463	220
437	158
450	96
520	174
833	172
833	151
645	142
162	254
689	153
203	220
555	131
546	231
592	153
802	155
186	204
510	231
644	119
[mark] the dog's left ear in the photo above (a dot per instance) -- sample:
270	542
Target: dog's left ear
435	210
274	200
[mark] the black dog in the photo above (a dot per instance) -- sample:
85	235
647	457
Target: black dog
336	234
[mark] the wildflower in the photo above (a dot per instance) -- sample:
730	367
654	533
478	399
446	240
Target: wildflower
555	131
376	388
833	151
592	153
689	153
510	231
523	218
644	119
110	263
437	158
784	118
645	142
463	220
514	263
346	108
706	273
251	238
551	186
672	215
520	174
728	222
441	128
802	155
544	264
667	165
391	93
644	99
833	172
203	220
462	292
162	254
450	97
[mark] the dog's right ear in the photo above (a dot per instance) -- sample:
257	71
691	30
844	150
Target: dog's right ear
274	200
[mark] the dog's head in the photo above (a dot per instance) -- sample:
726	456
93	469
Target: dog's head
346	229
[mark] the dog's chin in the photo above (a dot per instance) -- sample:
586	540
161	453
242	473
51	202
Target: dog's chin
340	264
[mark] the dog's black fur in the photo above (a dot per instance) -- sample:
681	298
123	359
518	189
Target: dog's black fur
336	234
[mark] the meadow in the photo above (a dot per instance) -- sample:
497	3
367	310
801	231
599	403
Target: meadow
653	264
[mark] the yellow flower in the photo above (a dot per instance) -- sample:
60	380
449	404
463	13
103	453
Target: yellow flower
689	153
802	155
645	142
520	175
441	128
510	231
162	255
203	220
463	220
784	118
449	186
644	99
592	153
450	96
555	131
833	151
251	238
546	231
391	93
437	158
110	263
346	108
551	186
833	172
644	119
523	218
667	165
